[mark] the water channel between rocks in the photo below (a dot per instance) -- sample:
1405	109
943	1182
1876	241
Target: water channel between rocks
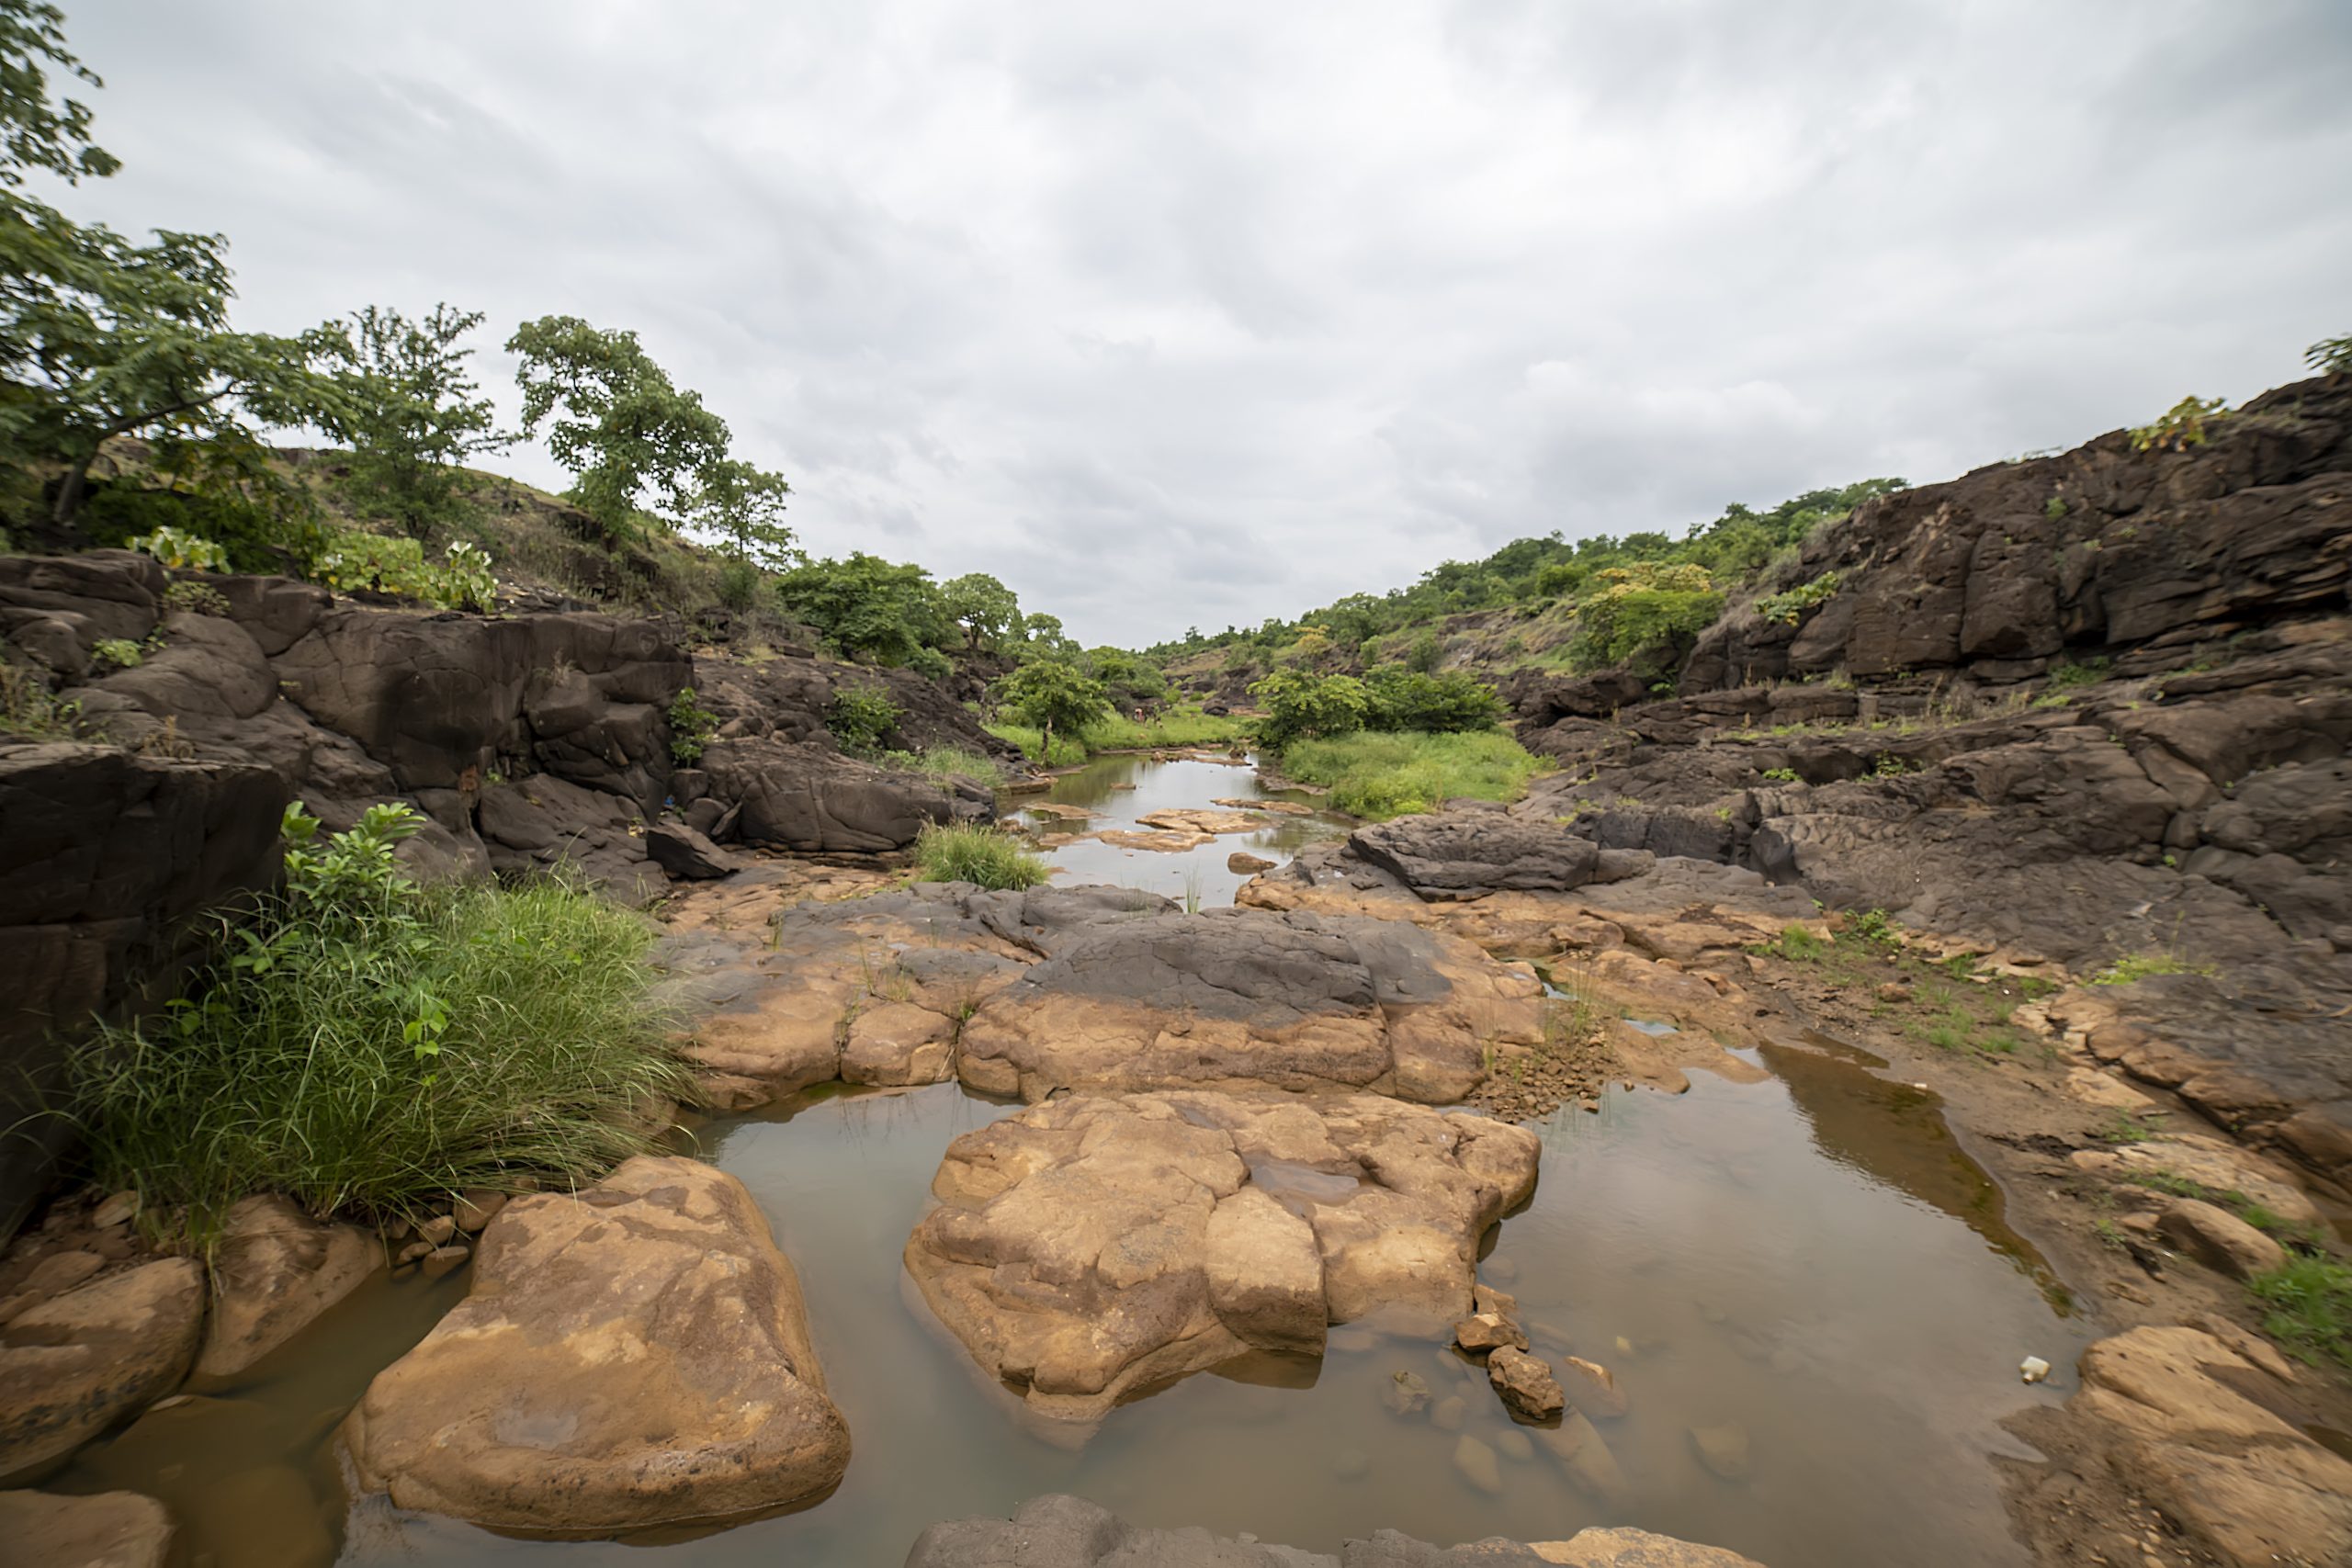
1810	1259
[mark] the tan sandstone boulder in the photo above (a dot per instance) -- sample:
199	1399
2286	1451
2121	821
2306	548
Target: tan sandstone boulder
276	1270
1600	1548
73	1366
1093	1244
637	1355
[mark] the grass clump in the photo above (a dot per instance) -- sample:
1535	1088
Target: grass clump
1379	774
1796	945
942	764
1176	726
2311	1303
366	1046
29	709
1064	751
968	852
2141	965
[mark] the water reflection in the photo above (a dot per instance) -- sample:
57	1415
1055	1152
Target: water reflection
1116	790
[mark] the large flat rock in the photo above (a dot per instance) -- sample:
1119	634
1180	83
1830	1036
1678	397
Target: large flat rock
74	1365
634	1356
1095	1244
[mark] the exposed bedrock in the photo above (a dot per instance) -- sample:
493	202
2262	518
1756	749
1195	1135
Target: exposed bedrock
1062	1531
633	1355
1024	993
1095	1244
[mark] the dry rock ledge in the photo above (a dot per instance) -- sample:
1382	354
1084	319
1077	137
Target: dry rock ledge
1070	1532
1094	1244
634	1356
1023	994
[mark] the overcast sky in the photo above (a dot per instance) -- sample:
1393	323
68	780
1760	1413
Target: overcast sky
1192	315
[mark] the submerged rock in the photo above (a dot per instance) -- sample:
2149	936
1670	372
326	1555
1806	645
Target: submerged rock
1093	1244
1069	1532
73	1366
1722	1450
637	1355
1525	1384
109	1530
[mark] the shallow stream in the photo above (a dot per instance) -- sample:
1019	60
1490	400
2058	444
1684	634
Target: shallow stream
1810	1259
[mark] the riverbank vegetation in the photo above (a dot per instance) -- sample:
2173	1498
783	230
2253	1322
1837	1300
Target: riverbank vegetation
969	852
1379	775
369	1046
1175	729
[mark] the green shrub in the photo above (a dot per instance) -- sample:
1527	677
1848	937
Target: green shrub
116	653
1398	698
1796	944
2181	426
28	708
180	549
2071	674
930	664
1789	608
1425	655
691	724
368	1047
1299	704
382	564
2055	508
2311	1303
2141	965
1782	775
860	716
968	852
1383	774
1643	607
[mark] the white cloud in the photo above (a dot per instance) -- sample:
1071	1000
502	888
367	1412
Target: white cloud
1199	317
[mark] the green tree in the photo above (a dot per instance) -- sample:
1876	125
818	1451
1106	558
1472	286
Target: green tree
984	607
1299	704
1052	694
2330	356
1398	698
1045	634
624	428
101	335
410	412
1127	679
866	607
743	506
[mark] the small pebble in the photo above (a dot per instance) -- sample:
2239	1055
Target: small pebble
444	1260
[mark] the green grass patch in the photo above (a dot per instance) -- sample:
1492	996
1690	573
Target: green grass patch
368	1047
967	852
1177	727
1796	945
1380	774
1064	753
2311	1308
2141	965
944	762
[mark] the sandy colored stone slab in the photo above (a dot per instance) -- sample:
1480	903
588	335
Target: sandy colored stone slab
1095	1244
277	1270
634	1356
73	1366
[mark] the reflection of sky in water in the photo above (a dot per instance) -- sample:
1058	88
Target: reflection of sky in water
1158	786
1810	1258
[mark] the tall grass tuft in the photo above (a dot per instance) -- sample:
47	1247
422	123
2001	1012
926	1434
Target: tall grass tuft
967	852
369	1047
1380	774
942	764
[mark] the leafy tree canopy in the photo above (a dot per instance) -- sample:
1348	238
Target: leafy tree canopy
984	607
1299	704
1053	694
35	131
613	417
864	607
411	412
743	506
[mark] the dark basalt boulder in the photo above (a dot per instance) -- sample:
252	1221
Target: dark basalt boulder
546	824
807	797
1469	854
790	698
686	854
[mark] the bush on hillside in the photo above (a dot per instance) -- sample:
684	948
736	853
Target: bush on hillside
1642	608
1299	704
1400	698
367	1046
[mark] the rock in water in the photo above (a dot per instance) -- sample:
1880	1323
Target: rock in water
1095	1242
1478	1465
277	1270
111	1529
1722	1450
1241	863
72	1367
1591	1388
1484	1331
637	1355
1584	1456
1525	1384
1405	1393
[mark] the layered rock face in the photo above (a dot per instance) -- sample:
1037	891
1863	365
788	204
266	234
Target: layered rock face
1095	1242
1069	1532
633	1355
529	741
2079	709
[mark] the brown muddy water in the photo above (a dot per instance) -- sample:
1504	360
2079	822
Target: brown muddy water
1810	1259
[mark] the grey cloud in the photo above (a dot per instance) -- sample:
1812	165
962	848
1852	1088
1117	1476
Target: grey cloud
1200	318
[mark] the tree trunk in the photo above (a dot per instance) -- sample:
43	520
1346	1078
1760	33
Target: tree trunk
71	489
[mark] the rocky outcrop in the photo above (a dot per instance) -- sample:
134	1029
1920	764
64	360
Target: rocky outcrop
1069	1532
1095	1244
790	698
635	1355
806	796
1291	1001
1470	854
77	1364
110	1530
